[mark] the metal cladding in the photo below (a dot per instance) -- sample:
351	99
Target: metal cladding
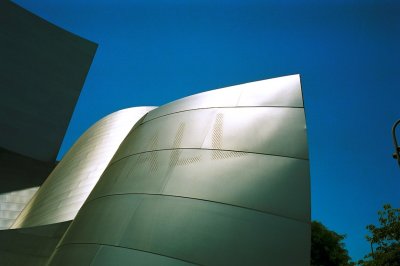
65	190
30	246
218	178
12	204
42	72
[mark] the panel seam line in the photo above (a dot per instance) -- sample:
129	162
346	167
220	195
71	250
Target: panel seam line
221	107
207	149
199	199
117	246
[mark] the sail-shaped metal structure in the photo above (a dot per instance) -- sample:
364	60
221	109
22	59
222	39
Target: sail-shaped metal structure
42	71
67	187
218	178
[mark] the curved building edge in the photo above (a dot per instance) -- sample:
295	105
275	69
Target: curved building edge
42	71
69	184
187	183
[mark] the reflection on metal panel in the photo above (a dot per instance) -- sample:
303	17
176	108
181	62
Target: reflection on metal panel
218	178
269	130
248	180
283	91
68	186
196	231
12	204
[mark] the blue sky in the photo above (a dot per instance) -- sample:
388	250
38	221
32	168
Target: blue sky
347	53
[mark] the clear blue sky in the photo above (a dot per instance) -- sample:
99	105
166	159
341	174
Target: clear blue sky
347	52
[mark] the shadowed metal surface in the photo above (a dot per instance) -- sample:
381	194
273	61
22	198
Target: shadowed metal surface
20	172
30	246
218	178
68	186
94	254
42	72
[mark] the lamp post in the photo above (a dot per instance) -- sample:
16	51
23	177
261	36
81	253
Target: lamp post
396	154
372	251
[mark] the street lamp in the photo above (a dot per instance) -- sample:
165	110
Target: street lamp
396	154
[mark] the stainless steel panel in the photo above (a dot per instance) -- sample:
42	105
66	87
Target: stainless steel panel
75	255
215	179
196	231
244	179
42	71
95	254
109	255
12	204
68	186
30	246
21	172
282	91
267	130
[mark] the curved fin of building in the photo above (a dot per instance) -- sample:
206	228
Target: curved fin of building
218	178
67	187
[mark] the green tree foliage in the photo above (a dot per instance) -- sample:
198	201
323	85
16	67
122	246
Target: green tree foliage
385	239
327	248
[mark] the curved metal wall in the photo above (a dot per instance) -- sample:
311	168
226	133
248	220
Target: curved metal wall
31	246
67	187
12	204
42	71
218	178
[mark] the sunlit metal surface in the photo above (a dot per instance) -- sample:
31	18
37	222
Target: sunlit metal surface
237	178
12	204
218	178
267	130
285	93
194	231
68	186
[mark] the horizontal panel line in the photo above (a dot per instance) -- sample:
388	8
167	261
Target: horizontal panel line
199	199
123	247
207	149
221	107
